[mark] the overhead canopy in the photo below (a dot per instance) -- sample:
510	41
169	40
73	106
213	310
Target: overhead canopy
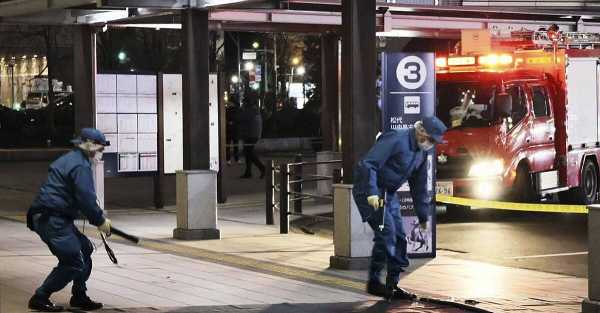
406	20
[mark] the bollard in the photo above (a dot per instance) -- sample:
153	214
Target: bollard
196	205
592	303
352	239
284	217
269	201
298	185
337	176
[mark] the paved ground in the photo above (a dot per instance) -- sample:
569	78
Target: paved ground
351	307
156	281
554	243
146	278
256	249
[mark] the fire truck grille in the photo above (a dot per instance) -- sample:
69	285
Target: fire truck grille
456	167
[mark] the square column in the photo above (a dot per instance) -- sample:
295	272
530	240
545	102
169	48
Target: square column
359	65
196	184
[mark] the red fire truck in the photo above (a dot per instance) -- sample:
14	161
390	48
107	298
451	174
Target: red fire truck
524	122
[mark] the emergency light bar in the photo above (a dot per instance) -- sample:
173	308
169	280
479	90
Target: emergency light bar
457	61
495	60
484	60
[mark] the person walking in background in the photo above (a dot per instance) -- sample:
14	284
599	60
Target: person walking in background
232	117
250	132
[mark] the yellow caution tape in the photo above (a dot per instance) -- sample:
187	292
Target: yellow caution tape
514	206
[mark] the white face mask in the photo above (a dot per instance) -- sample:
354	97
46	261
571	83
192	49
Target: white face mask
98	156
423	140
425	145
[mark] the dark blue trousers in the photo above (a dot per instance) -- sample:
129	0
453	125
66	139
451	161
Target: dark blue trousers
389	244
73	250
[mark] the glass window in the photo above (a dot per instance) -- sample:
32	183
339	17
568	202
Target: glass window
465	104
519	110
540	101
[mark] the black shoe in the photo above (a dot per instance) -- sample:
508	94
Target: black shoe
390	284
376	288
401	294
246	176
85	303
42	304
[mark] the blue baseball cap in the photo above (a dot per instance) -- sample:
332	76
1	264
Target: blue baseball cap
91	134
434	127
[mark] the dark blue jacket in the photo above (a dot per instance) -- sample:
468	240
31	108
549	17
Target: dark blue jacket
69	189
394	159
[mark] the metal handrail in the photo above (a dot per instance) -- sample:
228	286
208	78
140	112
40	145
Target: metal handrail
309	180
287	179
314	163
309	195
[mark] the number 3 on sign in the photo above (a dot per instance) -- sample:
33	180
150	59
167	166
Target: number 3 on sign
411	72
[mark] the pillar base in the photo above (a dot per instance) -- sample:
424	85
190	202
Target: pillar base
196	234
348	263
590	306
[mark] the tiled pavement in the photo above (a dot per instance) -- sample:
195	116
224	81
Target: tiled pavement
347	307
253	265
245	239
146	278
152	281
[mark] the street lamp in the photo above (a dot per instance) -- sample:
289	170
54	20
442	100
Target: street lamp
248	66
122	56
295	60
301	70
255	45
235	79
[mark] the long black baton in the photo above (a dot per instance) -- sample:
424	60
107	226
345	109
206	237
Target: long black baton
124	235
120	233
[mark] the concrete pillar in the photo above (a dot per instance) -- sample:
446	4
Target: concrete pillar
84	73
592	303
359	64
352	239
196	185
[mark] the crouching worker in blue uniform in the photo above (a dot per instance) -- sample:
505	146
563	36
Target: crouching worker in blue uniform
397	156
68	191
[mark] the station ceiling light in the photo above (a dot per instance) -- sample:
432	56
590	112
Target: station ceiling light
248	66
122	56
235	79
301	70
255	45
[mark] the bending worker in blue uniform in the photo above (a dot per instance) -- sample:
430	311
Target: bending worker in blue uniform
397	156
68	191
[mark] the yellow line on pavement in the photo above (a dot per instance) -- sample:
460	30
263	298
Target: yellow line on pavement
514	206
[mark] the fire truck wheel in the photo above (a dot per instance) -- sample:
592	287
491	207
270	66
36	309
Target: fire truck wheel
587	191
523	190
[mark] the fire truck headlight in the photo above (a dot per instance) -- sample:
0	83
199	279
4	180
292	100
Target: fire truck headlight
486	168
485	190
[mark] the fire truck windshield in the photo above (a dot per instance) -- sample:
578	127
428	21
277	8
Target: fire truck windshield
465	104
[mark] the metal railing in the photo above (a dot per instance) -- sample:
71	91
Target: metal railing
287	179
